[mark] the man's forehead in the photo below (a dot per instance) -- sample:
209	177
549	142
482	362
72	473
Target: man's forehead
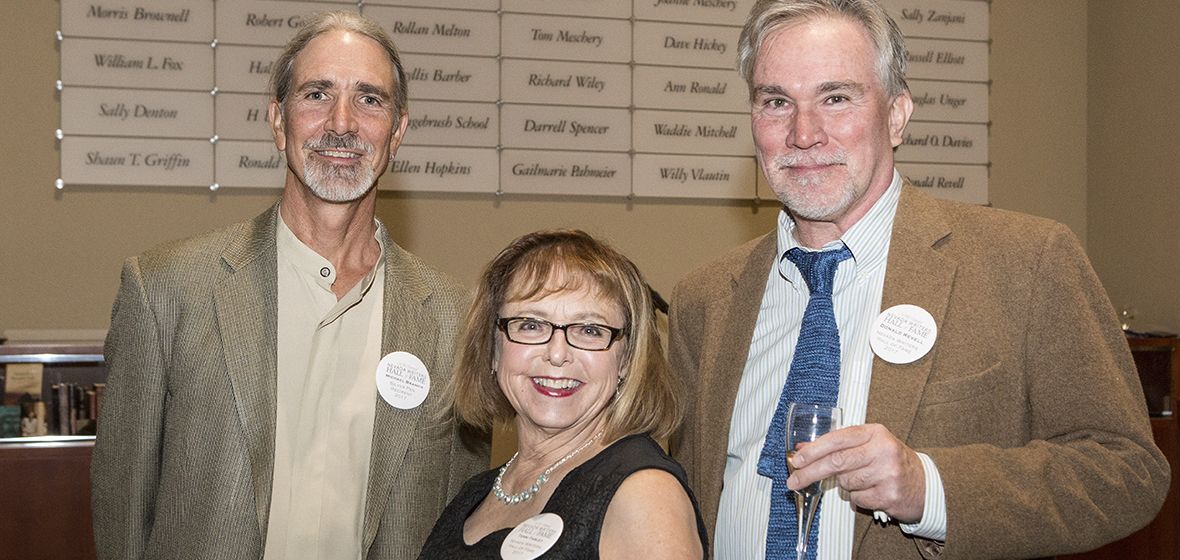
344	58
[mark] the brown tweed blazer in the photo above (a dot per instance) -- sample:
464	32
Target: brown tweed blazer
1029	403
183	463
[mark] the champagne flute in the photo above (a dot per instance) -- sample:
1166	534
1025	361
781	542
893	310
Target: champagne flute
805	423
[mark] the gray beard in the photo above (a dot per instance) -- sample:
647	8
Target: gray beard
335	183
799	195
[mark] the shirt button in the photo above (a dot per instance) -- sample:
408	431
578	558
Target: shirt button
325	272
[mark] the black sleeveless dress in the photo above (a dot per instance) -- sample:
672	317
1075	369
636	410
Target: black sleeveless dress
581	500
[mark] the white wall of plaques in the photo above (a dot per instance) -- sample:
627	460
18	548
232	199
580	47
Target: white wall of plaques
556	97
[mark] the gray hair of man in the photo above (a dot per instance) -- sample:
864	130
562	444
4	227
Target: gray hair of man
284	69
768	15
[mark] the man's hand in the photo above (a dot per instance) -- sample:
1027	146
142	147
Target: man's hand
877	469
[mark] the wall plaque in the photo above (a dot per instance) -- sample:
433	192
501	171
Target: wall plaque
266	22
250	164
136	161
693	89
565	128
717	12
136	64
671	132
131	112
545	172
595	8
452	78
965	183
437	31
565	38
442	123
937	59
442	169
565	83
694	176
940	19
682	44
245	69
242	116
949	101
175	20
925	142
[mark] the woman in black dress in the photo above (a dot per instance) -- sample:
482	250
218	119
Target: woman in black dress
561	340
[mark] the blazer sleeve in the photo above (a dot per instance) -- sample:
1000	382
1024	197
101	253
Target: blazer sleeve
1088	471
125	464
683	314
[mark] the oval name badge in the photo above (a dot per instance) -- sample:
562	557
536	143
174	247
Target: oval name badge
903	333
402	380
532	538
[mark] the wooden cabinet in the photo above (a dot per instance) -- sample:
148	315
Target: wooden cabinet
45	481
1158	361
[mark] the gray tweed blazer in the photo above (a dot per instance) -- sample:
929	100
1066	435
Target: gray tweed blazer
183	462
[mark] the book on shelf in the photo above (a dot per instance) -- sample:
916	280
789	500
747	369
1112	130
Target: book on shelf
22	383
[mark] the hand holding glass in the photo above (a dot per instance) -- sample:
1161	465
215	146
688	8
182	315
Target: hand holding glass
805	423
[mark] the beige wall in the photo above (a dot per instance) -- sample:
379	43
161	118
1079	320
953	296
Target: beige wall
61	251
1134	152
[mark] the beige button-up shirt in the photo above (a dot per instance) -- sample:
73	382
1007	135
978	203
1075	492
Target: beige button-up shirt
328	351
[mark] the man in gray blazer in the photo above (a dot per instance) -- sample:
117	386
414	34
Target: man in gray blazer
993	410
274	386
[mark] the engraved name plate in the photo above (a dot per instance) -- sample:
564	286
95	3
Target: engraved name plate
266	22
439	31
537	172
718	12
245	69
943	143
693	89
171	20
681	44
940	19
417	168
949	101
452	78
936	59
565	128
128	112
565	38
965	183
441	123
694	176
595	8
250	164
566	83
677	132
136	64
242	116
127	161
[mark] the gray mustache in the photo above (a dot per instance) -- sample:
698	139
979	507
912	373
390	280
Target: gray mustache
333	142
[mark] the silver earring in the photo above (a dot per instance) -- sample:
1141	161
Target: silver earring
618	388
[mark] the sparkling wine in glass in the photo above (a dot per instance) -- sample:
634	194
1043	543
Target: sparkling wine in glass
805	423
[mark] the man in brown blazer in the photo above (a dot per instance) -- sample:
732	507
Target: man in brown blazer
1011	425
274	386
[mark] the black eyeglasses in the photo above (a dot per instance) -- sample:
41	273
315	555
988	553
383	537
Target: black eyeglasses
583	336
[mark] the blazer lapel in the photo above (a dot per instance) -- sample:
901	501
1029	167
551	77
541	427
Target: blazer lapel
246	303
729	324
917	274
407	328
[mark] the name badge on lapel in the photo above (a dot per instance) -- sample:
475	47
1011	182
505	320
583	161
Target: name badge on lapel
402	380
903	334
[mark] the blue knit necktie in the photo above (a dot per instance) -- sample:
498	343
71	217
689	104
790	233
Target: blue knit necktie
814	377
